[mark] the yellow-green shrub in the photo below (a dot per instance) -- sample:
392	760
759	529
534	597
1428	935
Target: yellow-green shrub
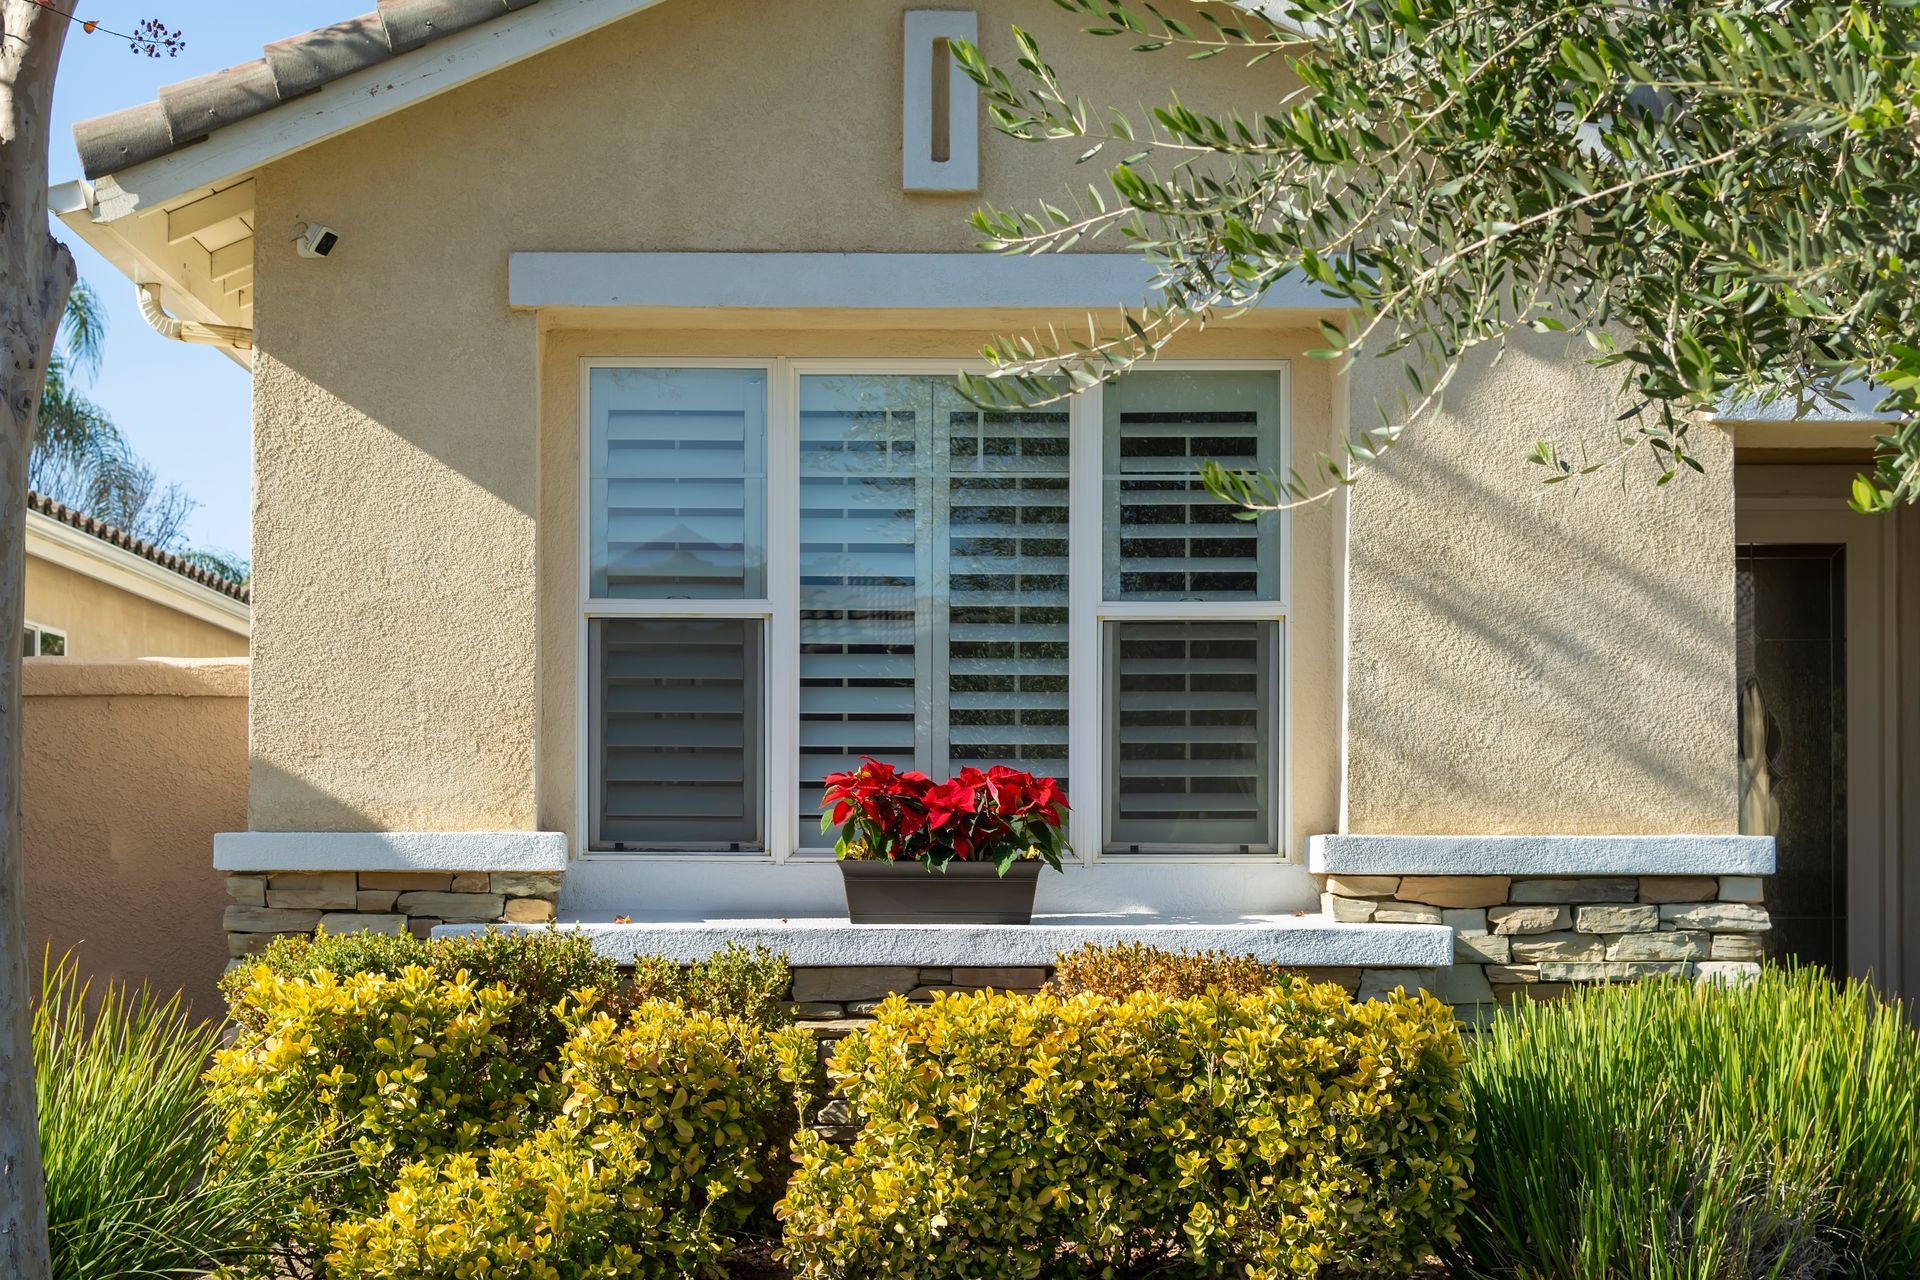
389	1068
1265	1135
460	1096
673	1125
1119	969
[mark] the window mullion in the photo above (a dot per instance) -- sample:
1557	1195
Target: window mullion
782	730
1085	680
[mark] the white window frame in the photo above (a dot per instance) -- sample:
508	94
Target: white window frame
1089	613
39	631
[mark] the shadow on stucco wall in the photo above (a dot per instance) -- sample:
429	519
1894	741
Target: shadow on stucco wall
129	770
1527	658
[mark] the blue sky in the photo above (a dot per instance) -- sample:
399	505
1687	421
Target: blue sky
186	409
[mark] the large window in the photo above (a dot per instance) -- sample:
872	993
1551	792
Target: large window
791	565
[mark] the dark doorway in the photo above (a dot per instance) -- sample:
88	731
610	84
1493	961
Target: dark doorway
1793	706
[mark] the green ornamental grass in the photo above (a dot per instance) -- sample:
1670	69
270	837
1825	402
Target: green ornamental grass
1669	1131
141	1180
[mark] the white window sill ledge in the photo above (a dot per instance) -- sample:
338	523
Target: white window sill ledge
1660	855
390	851
1302	941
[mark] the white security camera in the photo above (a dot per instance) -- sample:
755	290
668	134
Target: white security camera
315	241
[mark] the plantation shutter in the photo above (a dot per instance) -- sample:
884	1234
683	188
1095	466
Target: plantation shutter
1006	587
1191	734
861	575
678	478
677	733
1167	538
933	582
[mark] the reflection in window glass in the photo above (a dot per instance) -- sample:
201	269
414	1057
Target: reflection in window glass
677	733
1190	735
933	582
1167	538
678	483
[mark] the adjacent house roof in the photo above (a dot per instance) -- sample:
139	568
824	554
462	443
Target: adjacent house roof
127	542
193	109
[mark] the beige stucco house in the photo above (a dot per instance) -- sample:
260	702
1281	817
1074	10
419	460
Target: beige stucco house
610	489
96	592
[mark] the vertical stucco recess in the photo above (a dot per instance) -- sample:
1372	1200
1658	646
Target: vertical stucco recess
1313	628
1533	659
395	462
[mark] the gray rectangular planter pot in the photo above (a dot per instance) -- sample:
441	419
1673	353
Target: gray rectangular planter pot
965	893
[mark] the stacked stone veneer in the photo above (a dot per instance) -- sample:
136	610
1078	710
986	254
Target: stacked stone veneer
266	905
1517	937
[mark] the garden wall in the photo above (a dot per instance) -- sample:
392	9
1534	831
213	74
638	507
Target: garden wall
129	768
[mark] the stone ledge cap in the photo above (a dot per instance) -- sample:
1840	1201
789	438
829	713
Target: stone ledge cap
1295	941
390	851
1652	855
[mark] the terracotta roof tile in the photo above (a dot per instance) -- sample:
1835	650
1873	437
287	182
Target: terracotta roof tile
193	109
127	542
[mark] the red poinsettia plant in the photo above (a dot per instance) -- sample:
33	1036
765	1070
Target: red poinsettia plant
1001	816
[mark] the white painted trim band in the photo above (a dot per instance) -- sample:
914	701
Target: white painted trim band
1304	941
390	851
1664	855
849	281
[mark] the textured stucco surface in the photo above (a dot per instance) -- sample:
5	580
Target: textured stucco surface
1524	658
1520	659
129	770
397	484
104	622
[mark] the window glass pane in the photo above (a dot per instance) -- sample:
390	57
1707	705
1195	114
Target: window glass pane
1005	597
53	645
1166	537
861	575
933	589
678	731
1191	730
30	642
677	480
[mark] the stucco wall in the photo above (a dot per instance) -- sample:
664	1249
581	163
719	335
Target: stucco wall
1519	658
129	769
1524	658
104	622
396	475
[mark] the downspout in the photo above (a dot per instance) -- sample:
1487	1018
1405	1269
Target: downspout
217	335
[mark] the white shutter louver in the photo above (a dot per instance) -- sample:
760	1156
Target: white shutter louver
1006	553
679	483
1167	538
677	733
1190	736
933	588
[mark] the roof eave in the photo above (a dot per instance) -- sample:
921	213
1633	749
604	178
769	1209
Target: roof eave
232	153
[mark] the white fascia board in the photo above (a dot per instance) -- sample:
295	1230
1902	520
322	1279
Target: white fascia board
1656	855
390	851
82	553
354	100
1295	941
138	249
852	281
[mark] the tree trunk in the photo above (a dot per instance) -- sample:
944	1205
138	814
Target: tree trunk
36	274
